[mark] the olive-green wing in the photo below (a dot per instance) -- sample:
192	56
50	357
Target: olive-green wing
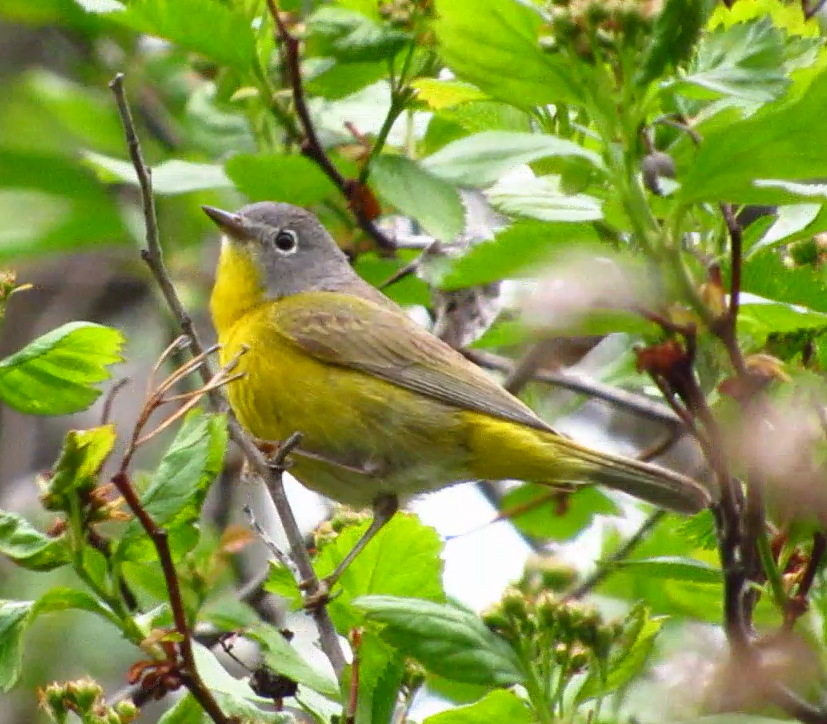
352	332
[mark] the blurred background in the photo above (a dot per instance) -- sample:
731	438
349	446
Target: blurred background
72	231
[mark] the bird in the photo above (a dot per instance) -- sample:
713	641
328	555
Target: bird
386	410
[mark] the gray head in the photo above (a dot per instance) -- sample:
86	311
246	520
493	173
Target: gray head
292	250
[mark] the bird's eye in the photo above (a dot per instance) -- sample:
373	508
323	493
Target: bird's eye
287	241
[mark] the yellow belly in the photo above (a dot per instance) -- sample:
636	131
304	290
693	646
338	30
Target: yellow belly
402	442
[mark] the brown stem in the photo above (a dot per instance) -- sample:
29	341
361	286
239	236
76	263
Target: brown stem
311	145
159	538
272	478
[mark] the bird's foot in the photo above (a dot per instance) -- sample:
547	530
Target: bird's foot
320	596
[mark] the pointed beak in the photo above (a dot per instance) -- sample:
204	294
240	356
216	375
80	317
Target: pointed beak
229	223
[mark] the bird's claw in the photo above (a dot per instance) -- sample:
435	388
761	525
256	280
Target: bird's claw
319	597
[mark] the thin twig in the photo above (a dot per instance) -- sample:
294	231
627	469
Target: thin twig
614	396
106	413
353	696
160	539
269	543
272	478
608	565
311	145
526	368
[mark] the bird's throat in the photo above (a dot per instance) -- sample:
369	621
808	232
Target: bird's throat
238	286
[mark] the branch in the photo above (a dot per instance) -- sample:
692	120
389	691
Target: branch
615	396
272	477
607	566
310	144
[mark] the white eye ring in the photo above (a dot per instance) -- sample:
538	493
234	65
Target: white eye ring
286	242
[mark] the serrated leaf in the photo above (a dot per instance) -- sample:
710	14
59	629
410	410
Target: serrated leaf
516	251
81	457
673	38
168	178
14	619
675	568
56	374
208	27
496	706
415	192
782	141
757	319
543	199
767	276
28	547
483	158
447	640
744	61
282	658
439	94
273	177
494	44
402	560
351	36
543	514
183	477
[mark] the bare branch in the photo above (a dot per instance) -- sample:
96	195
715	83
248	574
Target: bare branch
271	477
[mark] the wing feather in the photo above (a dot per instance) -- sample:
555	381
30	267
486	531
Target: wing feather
381	340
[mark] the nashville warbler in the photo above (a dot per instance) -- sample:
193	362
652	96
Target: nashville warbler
386	410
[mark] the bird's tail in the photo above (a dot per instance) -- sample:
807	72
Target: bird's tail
507	450
654	484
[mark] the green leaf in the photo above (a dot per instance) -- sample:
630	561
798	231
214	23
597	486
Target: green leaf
48	213
447	640
292	179
186	710
675	568
483	158
494	44
29	548
17	616
64	599
673	38
759	319
439	94
784	140
552	517
767	276
351	36
56	374
791	223
14	619
180	483
168	178
332	79
208	27
516	251
381	672
81	457
377	269
628	664
415	192
543	199
281	582
743	61
219	681
403	559
496	706
282	658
